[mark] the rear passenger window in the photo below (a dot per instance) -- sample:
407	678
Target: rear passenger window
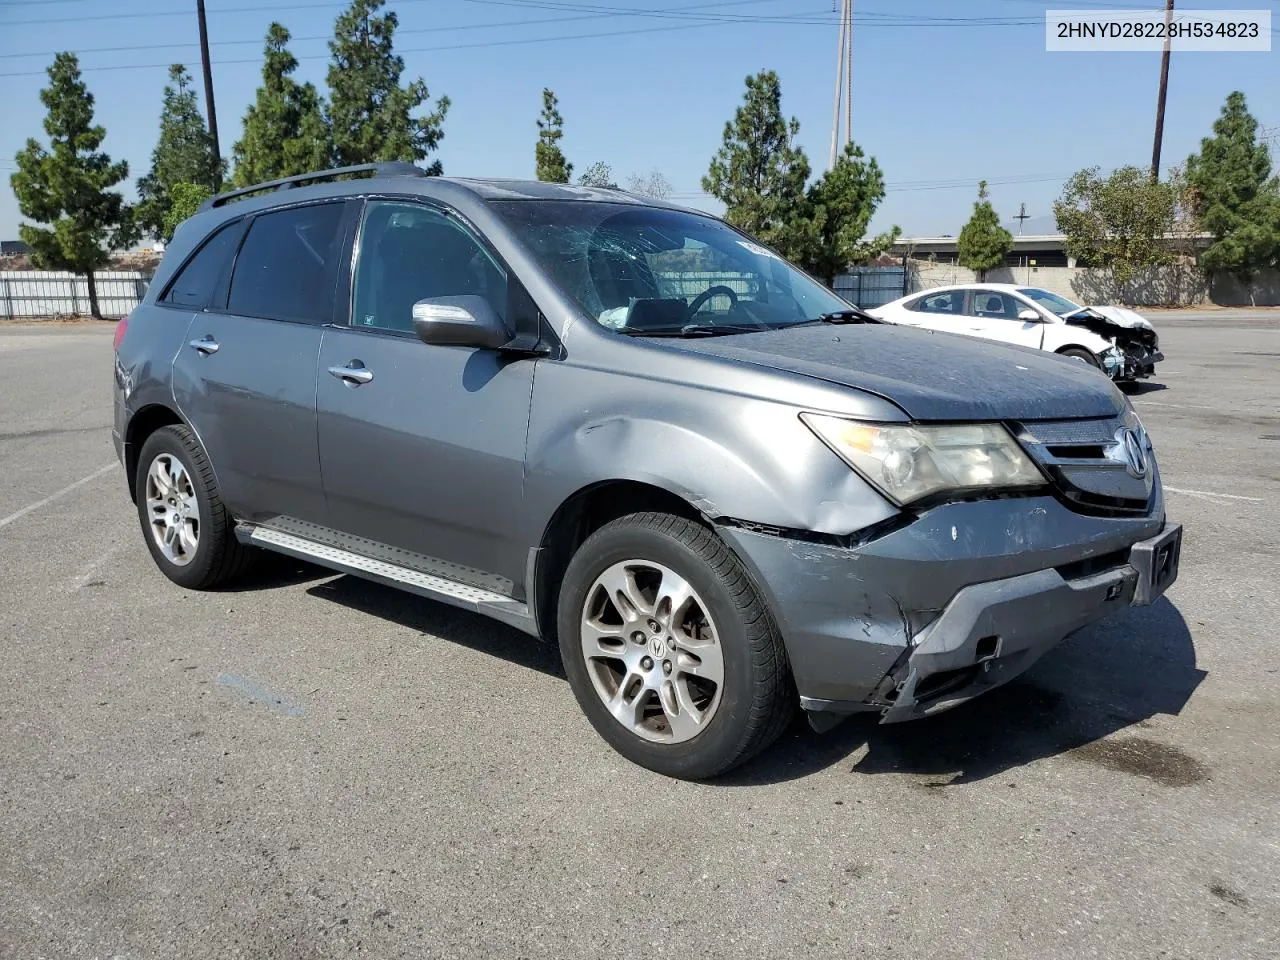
195	283
288	264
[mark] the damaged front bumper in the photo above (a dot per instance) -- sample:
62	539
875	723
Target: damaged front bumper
991	632
958	602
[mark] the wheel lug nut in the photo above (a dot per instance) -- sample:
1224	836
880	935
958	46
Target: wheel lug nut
666	667
647	663
654	626
637	637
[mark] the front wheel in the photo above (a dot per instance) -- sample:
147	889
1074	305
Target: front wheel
1084	356
669	647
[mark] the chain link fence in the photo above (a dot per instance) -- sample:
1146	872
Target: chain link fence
42	294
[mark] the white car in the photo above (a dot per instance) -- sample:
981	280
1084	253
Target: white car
1116	340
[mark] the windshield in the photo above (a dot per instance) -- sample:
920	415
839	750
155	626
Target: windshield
1050	301
647	271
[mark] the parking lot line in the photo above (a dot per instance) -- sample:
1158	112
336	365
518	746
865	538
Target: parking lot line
32	507
1176	406
1207	495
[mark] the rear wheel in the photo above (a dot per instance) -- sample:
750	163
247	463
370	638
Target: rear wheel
669	647
184	522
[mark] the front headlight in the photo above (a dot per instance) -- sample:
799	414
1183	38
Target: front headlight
910	461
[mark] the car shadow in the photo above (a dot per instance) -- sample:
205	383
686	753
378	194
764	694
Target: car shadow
272	570
453	624
1138	388
1108	677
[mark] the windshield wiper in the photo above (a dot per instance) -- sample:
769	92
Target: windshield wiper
851	315
696	330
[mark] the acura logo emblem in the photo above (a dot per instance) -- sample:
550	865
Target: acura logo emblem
1134	446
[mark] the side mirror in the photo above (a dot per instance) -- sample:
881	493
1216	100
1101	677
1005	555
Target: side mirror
467	321
1027	315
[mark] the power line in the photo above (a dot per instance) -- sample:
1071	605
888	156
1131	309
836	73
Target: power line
782	19
400	30
868	17
399	51
965	183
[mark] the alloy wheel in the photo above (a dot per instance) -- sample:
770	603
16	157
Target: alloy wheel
652	651
172	509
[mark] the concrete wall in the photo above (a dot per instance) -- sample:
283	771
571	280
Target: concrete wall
1172	285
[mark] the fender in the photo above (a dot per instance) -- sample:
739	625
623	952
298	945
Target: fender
751	460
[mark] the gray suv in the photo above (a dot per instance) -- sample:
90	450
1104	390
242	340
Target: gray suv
629	429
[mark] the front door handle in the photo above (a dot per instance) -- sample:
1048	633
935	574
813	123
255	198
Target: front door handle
353	373
205	345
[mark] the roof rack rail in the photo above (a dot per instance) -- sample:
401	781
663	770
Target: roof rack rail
286	183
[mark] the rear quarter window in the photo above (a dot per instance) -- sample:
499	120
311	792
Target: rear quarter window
951	301
196	282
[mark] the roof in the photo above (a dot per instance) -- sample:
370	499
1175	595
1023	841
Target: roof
1006	287
1037	241
499	189
342	181
1030	241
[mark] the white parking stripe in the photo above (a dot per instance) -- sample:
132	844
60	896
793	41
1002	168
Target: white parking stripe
31	508
1176	406
1205	494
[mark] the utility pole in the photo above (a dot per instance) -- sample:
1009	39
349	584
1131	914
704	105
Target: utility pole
844	80
848	70
835	100
1022	215
208	87
1164	87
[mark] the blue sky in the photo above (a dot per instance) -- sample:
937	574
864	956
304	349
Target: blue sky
939	104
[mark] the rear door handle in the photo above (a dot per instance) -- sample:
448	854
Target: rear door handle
206	345
353	373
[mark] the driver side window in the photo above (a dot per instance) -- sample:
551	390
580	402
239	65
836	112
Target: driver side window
410	251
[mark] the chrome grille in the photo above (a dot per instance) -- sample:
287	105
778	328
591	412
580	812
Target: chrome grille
1087	462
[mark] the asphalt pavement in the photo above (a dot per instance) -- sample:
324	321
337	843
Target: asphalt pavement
315	766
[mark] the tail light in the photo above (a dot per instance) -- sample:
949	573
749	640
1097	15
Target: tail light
121	326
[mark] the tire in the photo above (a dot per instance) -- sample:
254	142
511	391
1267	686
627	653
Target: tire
208	554
1079	353
734	718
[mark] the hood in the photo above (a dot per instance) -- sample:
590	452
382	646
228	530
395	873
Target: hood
931	376
1120	316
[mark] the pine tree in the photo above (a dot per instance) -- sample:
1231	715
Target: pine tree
68	186
983	243
183	154
184	201
759	174
284	129
1234	195
843	201
371	115
551	162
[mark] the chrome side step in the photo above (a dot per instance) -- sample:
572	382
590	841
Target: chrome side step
427	585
